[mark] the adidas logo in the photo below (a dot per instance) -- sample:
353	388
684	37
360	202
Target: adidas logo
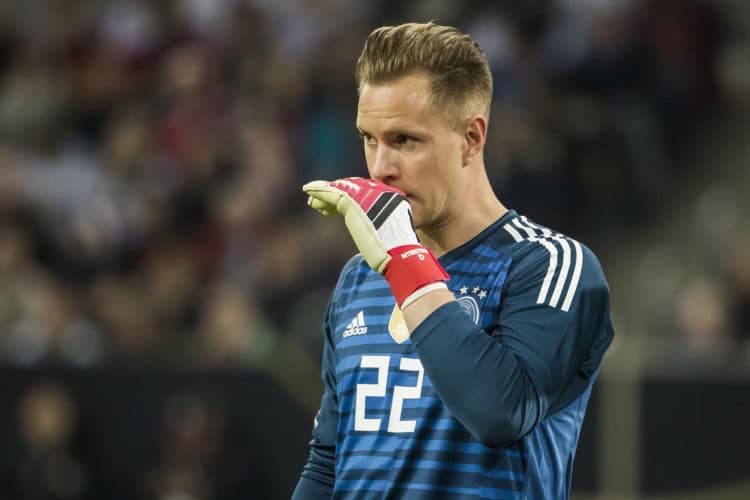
356	326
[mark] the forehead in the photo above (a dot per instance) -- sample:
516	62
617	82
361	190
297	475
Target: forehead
405	100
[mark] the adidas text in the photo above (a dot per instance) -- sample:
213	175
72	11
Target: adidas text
356	326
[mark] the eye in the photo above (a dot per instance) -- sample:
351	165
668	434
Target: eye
403	139
367	138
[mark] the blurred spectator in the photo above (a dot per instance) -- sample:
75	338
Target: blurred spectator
127	316
47	467
192	439
703	317
232	331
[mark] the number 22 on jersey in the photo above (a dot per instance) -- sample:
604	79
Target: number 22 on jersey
378	390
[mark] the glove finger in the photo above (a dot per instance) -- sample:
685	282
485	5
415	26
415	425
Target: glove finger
315	185
340	200
321	206
322	191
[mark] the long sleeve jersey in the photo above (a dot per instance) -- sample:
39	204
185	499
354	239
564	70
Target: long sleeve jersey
485	398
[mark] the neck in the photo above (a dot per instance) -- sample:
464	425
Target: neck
478	210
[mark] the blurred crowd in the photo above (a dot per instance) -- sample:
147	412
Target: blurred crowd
151	155
189	447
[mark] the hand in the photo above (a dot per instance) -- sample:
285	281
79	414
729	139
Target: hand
379	220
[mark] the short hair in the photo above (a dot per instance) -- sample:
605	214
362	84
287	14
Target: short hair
458	68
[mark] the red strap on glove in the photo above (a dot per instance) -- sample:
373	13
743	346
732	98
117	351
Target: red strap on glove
412	267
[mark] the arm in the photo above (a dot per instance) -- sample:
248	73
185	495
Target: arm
535	360
418	311
318	475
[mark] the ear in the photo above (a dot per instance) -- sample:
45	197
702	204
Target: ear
475	135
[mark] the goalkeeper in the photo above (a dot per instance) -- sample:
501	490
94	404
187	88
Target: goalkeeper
461	344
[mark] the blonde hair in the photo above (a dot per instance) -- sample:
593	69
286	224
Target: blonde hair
459	71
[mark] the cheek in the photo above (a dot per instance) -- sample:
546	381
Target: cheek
442	180
440	174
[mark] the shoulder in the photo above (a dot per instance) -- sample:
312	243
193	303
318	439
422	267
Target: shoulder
353	265
355	268
555	264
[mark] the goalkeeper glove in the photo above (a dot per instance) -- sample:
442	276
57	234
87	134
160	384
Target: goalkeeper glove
379	220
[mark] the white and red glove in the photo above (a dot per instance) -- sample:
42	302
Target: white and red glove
379	220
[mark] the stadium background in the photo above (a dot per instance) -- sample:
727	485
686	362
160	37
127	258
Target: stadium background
162	282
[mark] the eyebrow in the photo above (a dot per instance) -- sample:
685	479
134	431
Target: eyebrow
392	132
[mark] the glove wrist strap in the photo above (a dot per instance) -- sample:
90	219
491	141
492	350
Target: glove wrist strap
439	285
410	268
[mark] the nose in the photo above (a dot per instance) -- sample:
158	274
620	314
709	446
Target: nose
383	164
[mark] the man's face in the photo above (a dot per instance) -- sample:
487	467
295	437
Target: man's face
409	146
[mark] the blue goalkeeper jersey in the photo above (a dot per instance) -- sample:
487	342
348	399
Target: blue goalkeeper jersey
485	399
